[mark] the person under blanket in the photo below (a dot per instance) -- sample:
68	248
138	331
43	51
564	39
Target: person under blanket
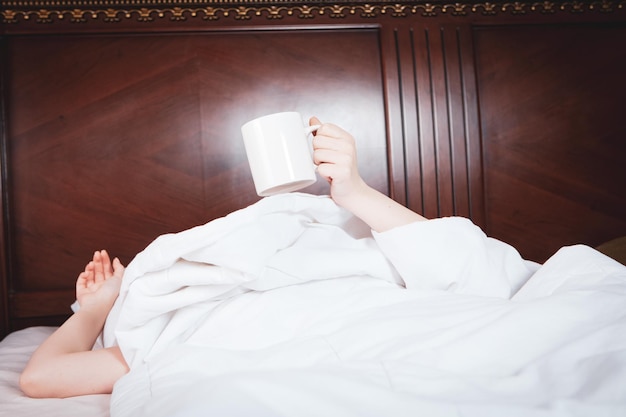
66	365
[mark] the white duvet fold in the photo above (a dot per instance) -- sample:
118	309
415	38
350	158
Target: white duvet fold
291	307
279	241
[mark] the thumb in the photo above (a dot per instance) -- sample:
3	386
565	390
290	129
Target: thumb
314	121
118	268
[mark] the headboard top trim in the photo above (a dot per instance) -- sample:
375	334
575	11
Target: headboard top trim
111	11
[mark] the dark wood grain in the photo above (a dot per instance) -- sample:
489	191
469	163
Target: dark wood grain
121	125
552	115
114	140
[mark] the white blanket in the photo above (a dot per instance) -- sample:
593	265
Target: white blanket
292	307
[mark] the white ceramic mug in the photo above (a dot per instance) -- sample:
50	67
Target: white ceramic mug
279	153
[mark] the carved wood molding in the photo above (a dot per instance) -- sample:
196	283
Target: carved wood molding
112	11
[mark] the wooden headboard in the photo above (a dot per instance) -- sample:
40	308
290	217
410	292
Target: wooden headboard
120	119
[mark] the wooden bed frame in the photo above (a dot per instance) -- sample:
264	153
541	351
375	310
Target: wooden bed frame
120	119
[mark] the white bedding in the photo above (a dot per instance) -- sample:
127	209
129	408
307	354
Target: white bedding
291	308
15	350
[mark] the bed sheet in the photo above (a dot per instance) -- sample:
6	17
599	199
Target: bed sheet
15	350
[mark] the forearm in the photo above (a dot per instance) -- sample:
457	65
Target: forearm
77	334
66	364
376	209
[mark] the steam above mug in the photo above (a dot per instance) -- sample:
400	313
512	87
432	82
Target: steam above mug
279	153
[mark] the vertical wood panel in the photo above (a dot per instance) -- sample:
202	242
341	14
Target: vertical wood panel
441	118
392	81
410	123
426	122
457	123
475	179
438	104
4	264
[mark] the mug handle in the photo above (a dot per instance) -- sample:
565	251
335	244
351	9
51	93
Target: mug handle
311	129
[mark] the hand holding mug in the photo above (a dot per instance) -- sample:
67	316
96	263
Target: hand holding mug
334	153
